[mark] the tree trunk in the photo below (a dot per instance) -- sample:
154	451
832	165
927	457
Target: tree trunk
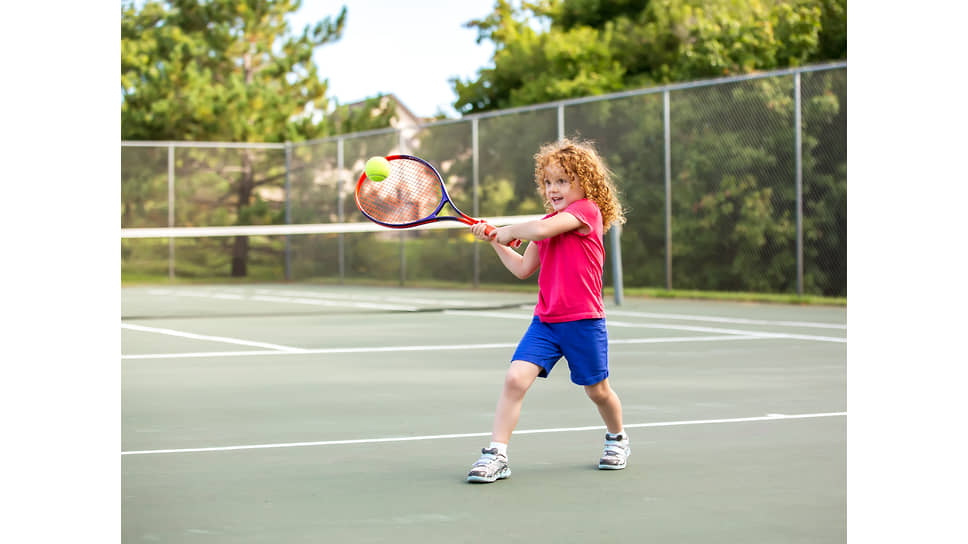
240	257
240	246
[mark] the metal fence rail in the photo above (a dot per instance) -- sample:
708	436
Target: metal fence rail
733	184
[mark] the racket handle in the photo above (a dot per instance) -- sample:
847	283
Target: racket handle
513	243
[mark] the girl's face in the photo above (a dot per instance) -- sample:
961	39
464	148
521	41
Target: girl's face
559	188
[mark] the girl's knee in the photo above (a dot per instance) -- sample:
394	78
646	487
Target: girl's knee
600	392
519	377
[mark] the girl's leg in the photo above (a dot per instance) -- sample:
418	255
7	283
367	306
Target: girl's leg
616	453
517	381
493	464
608	403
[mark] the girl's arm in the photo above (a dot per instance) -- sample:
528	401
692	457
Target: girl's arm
540	229
522	266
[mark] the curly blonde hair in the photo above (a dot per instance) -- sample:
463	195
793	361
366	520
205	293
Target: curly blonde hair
582	163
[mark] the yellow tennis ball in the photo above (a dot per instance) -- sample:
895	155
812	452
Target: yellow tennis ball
377	168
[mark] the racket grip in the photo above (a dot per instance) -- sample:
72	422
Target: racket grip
513	243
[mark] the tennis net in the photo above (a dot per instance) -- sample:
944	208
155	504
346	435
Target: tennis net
442	252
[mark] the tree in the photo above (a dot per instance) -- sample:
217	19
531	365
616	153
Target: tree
221	70
227	70
733	193
594	47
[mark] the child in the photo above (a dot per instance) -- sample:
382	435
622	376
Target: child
569	319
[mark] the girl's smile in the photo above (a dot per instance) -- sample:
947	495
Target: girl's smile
559	188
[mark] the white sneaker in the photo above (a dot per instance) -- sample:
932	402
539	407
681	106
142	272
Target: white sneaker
490	467
616	453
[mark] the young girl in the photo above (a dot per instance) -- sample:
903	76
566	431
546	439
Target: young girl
569	319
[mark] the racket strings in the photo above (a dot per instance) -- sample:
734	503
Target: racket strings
410	193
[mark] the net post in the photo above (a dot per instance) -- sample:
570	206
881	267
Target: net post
615	236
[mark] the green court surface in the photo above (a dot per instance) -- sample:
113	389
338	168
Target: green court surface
282	413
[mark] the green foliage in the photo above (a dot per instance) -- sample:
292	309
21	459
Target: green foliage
230	70
733	195
593	13
595	47
734	223
144	191
224	70
220	70
833	36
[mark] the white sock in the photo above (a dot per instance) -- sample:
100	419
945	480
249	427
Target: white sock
501	448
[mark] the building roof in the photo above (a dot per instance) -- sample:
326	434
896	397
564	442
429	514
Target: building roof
400	106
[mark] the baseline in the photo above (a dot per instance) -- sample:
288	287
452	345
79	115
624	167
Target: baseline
450	347
223	339
768	417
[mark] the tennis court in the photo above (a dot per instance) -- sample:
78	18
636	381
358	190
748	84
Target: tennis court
297	413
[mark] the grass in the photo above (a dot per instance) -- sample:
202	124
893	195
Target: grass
140	279
778	298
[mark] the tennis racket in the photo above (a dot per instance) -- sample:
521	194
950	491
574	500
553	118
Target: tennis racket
412	194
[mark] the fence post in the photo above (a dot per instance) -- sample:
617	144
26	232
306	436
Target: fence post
668	188
475	182
340	164
171	210
561	122
799	178
288	209
401	138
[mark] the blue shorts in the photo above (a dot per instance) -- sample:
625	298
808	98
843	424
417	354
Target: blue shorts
583	343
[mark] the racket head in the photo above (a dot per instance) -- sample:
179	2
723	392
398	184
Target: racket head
412	194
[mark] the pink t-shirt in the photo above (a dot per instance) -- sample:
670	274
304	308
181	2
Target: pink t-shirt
570	278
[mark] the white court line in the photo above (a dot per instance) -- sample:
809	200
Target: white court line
740	320
769	417
374	298
331	303
710	319
324	299
200	354
393	349
223	339
321	351
612	323
283	299
380	303
674	339
758	334
723	334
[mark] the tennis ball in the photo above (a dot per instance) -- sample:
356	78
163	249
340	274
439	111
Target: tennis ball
377	168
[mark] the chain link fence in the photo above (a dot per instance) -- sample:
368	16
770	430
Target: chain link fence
738	184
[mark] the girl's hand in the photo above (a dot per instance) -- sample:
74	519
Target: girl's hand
502	235
477	230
